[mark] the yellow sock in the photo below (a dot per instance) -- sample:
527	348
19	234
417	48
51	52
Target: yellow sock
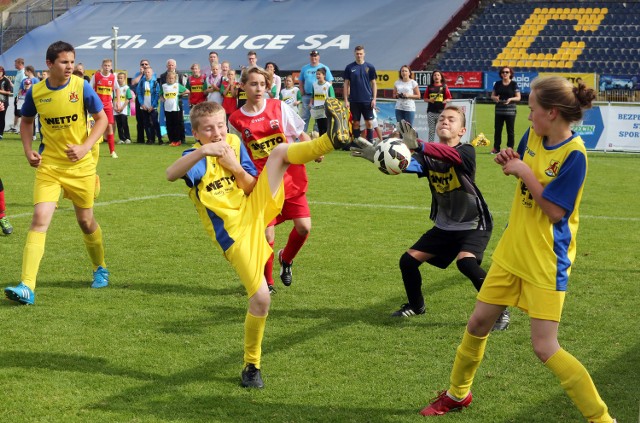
468	358
95	248
304	152
576	381
253	333
31	257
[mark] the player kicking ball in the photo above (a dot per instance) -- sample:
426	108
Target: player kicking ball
235	207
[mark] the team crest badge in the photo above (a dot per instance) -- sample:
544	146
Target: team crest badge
552	170
275	124
73	97
247	134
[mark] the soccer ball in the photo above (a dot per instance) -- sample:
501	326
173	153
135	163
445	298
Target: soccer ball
392	156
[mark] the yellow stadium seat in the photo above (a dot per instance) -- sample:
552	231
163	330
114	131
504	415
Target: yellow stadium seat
604	10
537	10
573	44
520	64
566	10
544	64
588	11
536	64
553	64
596	10
544	11
548	56
540	56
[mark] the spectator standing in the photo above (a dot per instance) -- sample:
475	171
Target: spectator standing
122	109
307	78
406	91
197	86
6	91
290	94
149	95
229	93
214	82
321	91
437	95
273	70
144	63
172	66
360	91
506	94
17	86
170	94
105	85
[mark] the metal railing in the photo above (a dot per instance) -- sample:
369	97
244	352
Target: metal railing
26	16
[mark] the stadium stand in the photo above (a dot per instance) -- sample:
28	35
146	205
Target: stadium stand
598	37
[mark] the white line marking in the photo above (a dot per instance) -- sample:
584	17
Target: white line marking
106	203
319	203
386	206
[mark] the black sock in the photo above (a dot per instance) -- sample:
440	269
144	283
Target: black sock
410	269
470	267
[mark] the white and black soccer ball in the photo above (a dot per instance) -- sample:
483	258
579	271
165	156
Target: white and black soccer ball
392	156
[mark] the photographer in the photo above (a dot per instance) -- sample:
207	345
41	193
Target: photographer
406	90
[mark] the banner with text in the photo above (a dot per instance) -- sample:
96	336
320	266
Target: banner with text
463	80
607	127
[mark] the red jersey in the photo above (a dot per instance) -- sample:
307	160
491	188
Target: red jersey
262	132
105	87
196	85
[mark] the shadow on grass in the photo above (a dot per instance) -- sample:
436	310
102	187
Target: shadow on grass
67	363
617	384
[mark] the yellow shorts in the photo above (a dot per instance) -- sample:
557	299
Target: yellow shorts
79	184
503	288
250	252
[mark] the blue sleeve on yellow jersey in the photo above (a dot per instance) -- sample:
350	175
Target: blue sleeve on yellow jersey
523	144
246	162
564	188
195	174
92	102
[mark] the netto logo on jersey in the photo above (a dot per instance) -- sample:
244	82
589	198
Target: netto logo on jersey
61	120
221	183
267	144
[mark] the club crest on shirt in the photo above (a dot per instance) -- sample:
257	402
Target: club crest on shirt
552	170
275	124
247	134
73	97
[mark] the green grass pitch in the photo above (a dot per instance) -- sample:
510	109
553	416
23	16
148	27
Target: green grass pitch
163	343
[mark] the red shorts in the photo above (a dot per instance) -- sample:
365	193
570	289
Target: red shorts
109	113
293	208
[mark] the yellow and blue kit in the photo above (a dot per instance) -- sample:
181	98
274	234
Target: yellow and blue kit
63	118
532	247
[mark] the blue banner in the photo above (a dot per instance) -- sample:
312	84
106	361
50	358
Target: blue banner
523	79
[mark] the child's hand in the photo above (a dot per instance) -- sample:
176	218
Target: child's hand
228	159
76	152
215	149
514	167
505	155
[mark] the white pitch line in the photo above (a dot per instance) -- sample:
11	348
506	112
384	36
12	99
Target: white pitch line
396	207
106	203
320	203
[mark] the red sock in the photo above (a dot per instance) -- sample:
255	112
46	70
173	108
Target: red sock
294	244
2	204
111	142
268	268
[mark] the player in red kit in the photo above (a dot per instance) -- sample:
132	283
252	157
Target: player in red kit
105	84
